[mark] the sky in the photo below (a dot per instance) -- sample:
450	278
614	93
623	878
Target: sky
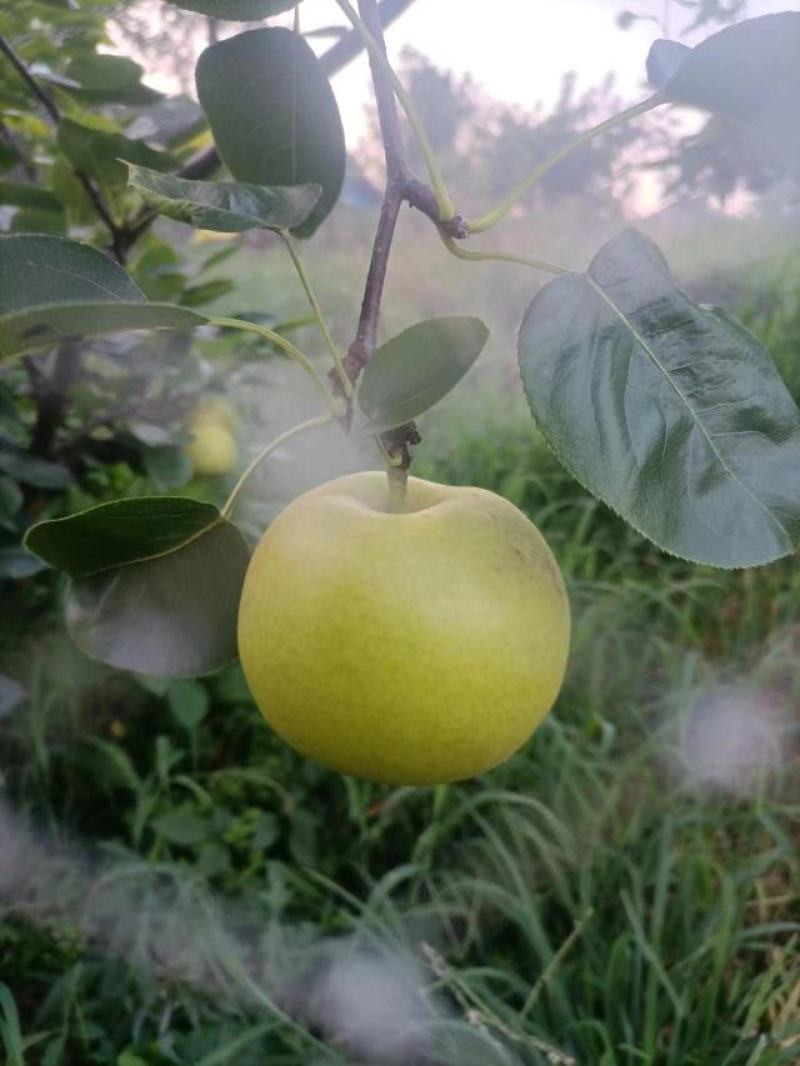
520	51
517	51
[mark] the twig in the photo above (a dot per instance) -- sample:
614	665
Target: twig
42	96
50	394
49	104
397	184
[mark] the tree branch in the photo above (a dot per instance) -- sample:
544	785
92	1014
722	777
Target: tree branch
50	106
399	187
51	395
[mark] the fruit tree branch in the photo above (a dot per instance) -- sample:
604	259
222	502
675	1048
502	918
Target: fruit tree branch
50	106
401	187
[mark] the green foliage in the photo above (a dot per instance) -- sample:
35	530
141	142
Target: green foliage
121	533
55	290
158	589
237	10
107	79
685	903
102	154
580	901
413	371
274	117
748	72
45	270
671	413
227	207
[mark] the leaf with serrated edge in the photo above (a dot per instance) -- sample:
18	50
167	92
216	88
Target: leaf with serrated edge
671	413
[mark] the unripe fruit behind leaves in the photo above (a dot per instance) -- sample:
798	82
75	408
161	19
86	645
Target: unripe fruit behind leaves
212	448
215	409
413	648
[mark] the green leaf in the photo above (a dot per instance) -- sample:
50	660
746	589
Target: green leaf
44	326
189	702
108	79
51	270
749	71
8	157
11	499
206	292
29	470
673	414
181	827
237	10
119	533
39	220
167	466
156	583
663	60
102	154
414	370
273	115
17	564
227	207
16	194
12	694
268	829
52	289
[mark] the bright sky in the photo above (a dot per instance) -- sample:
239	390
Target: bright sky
516	50
520	51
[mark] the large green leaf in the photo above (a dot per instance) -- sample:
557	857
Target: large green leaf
118	533
46	325
48	270
274	117
671	413
414	370
237	10
228	207
156	583
749	71
52	289
102	154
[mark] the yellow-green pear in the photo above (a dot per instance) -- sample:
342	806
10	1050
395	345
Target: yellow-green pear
215	409
212	448
411	648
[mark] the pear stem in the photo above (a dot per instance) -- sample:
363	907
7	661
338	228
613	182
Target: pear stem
398	483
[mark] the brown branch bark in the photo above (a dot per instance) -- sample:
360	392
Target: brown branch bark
401	187
51	395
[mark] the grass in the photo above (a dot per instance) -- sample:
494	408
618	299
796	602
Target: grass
194	893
